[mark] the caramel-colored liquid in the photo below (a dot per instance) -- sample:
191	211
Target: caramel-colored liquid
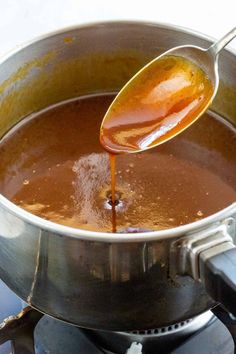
52	164
113	190
159	103
156	105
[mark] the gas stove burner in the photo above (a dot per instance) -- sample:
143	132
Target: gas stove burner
164	338
182	328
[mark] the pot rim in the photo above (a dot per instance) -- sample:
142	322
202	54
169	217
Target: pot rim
106	236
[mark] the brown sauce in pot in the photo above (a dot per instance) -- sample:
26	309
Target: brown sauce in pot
52	164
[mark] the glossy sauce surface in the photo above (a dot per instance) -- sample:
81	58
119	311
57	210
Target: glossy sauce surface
156	105
52	164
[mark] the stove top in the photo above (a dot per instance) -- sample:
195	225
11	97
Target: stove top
55	337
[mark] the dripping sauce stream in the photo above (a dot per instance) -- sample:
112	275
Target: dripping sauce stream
113	189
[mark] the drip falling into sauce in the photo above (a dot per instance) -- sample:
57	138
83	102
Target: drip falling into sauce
113	189
156	105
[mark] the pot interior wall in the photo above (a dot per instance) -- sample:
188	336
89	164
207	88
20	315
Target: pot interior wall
98	58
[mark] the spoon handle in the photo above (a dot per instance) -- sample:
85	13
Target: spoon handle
216	47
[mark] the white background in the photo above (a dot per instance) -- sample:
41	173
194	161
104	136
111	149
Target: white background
21	20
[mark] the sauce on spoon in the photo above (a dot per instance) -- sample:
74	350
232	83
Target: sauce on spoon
154	106
157	104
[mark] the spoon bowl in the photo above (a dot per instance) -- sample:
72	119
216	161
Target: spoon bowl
162	99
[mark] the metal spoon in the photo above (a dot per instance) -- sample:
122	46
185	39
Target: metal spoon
133	123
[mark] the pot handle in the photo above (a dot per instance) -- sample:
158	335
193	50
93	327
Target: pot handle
209	256
218	274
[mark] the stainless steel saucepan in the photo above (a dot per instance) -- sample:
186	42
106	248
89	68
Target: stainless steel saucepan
99	280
